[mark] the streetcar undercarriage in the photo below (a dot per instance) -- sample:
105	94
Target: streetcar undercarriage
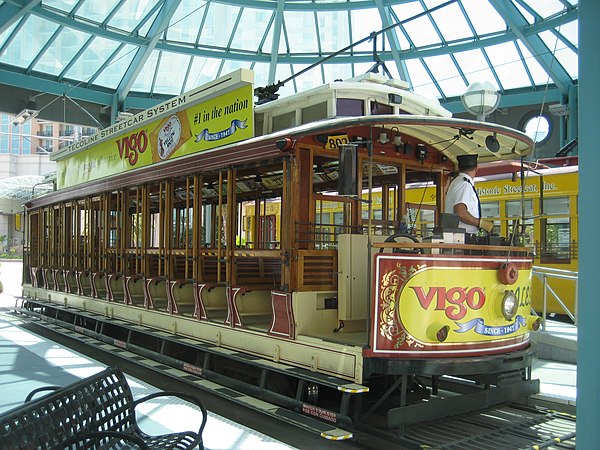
394	393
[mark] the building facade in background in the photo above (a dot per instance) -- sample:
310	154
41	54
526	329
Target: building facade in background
25	168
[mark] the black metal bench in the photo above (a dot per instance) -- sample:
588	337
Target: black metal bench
97	412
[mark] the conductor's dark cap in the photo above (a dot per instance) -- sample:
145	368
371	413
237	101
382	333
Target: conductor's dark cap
467	161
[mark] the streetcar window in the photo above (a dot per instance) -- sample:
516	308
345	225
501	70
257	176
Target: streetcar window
377	213
556	240
259	120
349	107
524	230
513	208
283	121
323	233
314	113
267	232
378	109
556	206
421	220
136	227
154	230
206	236
338	219
556	231
491	210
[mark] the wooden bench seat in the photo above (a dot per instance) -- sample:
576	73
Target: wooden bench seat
156	294
181	296
84	283
60	283
99	285
71	284
95	412
135	292
115	287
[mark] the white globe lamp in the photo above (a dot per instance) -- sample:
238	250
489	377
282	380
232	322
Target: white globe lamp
481	99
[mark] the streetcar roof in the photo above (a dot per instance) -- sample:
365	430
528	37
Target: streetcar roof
366	86
450	136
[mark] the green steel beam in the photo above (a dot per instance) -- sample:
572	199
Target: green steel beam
392	37
534	44
160	24
273	58
12	11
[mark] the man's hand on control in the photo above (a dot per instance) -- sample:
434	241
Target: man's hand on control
486	225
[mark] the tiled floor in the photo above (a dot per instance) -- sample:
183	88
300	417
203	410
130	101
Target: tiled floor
29	361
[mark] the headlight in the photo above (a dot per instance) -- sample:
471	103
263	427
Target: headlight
509	305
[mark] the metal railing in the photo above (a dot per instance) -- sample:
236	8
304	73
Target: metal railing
557	252
544	274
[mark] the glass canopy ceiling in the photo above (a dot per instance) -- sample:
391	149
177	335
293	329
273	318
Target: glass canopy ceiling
130	52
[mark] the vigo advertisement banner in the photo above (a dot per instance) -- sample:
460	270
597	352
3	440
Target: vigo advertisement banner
222	120
443	303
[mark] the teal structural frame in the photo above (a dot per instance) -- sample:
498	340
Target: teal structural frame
588	355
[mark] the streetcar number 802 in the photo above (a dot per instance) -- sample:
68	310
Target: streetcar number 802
334	142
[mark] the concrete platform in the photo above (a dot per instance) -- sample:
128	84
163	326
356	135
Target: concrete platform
557	342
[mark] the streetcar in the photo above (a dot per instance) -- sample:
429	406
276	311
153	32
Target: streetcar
192	232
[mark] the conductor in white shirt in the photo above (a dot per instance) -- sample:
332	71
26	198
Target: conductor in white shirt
462	198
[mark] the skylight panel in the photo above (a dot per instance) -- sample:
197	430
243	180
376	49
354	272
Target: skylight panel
333	30
407	10
230	65
445	72
474	66
452	23
96	11
364	22
571	32
483	16
202	71
563	54
143	82
219	24
170	73
284	71
301	30
145	28
129	15
261	73
112	75
337	72
7	33
537	72
28	42
508	65
64	48
186	22
250	32
63	5
304	82
422	32
545	8
92	58
530	18
421	81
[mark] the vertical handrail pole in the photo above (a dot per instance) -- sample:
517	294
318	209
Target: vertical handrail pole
544	307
